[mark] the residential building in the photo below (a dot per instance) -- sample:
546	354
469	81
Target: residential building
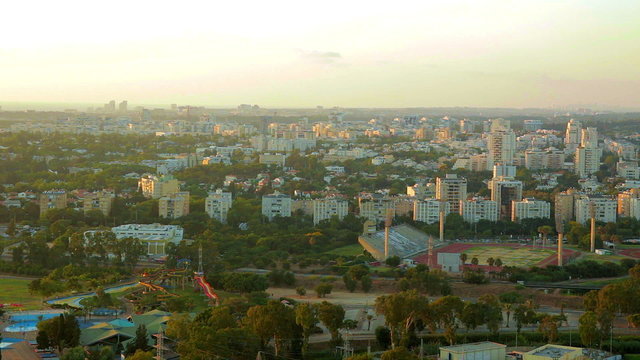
530	208
101	200
326	208
504	191
154	236
587	158
604	207
624	202
156	187
532	125
276	204
476	209
564	205
628	169
485	350
572	134
174	206
451	189
53	199
422	191
217	205
374	206
501	143
428	210
634	208
551	158
273	159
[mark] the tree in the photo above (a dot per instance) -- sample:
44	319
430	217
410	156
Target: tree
545	230
634	320
383	337
472	315
323	289
490	261
498	262
588	328
76	353
61	332
332	316
492	311
272	321
447	312
349	282
366	283
401	311
307	318
140	342
392	261
474	261
301	291
141	355
463	258
548	327
399	353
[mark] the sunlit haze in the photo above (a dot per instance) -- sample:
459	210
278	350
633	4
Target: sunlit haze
332	53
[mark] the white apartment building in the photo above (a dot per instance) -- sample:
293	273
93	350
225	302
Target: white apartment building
174	206
374	206
605	208
628	170
217	205
154	236
530	208
625	202
324	209
537	159
587	159
156	187
634	208
501	146
276	204
476	209
573	134
451	189
428	210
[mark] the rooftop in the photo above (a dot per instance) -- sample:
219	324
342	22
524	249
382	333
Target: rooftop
472	347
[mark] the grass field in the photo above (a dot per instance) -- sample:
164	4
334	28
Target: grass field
510	255
602	258
16	291
349	250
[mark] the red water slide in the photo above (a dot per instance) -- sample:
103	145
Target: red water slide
206	287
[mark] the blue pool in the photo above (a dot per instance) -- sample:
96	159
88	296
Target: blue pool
24	326
33	317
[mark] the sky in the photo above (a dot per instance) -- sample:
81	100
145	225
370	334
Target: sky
345	53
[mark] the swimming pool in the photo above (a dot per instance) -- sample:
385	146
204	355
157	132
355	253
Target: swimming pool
23	326
32	317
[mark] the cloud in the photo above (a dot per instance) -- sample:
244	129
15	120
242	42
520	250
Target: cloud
321	57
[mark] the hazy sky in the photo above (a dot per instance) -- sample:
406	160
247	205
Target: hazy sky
332	53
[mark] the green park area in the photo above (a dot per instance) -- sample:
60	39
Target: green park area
348	250
510	256
16	291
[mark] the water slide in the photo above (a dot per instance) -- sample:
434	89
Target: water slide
206	287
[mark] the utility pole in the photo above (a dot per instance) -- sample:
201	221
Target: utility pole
160	346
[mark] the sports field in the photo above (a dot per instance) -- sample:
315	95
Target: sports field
509	254
16	292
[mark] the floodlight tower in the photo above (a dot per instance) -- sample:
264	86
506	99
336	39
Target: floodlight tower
387	225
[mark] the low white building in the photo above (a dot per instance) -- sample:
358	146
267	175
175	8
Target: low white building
530	208
276	204
428	210
154	236
476	209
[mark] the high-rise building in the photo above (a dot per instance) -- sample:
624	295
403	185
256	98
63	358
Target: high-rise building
217	205
157	187
53	199
530	208
276	204
504	191
174	206
101	200
476	209
501	143
587	159
122	107
564	206
451	189
374	206
326	208
428	210
624	202
604	208
573	134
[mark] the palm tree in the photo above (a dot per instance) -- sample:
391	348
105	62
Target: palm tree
545	230
498	262
507	309
474	261
490	261
463	258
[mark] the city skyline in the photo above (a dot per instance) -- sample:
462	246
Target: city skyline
490	54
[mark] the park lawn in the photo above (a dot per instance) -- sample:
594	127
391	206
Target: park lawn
602	258
16	291
349	250
512	256
200	301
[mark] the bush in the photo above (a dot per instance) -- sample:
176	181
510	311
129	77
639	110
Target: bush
383	337
323	289
301	291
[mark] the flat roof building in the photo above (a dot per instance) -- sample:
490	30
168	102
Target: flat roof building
485	350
